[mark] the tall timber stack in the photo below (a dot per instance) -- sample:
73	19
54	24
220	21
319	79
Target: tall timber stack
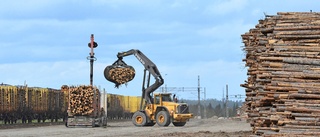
84	106
283	85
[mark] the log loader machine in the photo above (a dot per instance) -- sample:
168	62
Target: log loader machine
160	108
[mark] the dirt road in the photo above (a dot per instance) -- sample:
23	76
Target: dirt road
194	128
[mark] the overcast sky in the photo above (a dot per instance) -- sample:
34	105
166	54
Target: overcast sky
44	42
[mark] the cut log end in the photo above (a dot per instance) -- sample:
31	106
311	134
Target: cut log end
119	75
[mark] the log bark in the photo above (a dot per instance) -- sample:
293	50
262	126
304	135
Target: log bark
283	60
83	100
119	75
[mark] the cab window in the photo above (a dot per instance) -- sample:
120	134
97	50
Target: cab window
157	99
166	98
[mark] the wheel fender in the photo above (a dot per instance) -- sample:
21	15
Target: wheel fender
162	108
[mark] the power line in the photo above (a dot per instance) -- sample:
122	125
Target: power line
238	96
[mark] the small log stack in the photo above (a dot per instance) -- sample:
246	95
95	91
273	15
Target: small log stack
83	100
283	85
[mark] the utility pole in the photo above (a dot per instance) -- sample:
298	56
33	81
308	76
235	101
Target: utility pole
92	45
105	96
223	95
166	89
227	110
199	111
205	105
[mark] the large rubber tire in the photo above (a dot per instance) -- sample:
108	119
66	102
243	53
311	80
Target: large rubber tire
66	124
163	118
179	124
100	122
139	119
93	124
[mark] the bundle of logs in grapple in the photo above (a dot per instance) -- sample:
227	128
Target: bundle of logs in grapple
283	85
83	100
119	73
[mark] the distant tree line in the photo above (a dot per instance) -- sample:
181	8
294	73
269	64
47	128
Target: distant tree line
213	107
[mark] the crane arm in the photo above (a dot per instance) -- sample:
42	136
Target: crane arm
149	66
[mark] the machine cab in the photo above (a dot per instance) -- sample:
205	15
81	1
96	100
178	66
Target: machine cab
165	100
162	97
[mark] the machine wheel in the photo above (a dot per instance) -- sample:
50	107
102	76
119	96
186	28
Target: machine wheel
139	119
100	123
179	124
66	124
104	122
163	118
93	124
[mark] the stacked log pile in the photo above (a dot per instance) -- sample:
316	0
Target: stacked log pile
283	85
83	100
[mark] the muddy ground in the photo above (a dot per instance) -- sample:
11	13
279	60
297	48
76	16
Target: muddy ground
194	128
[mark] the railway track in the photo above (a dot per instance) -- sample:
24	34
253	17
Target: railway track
31	125
28	125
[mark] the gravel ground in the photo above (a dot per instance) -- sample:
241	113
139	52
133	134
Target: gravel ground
194	128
